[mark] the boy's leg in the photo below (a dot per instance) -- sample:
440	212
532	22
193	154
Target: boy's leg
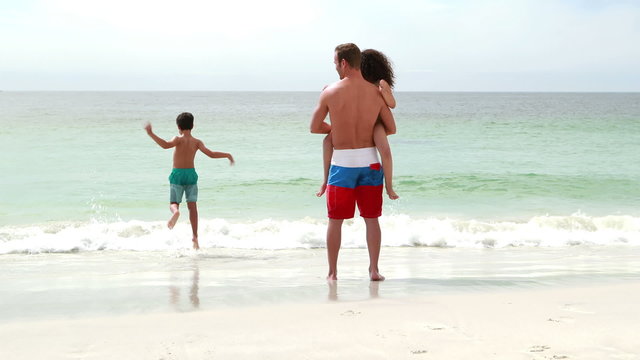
193	218
327	152
175	214
382	144
175	197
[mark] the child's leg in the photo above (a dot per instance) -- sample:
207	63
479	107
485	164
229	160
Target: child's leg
327	153
380	139
193	218
175	214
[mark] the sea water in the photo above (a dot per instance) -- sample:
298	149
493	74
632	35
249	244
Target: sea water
496	189
472	170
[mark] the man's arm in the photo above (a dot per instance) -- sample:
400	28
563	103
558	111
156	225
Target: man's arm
160	141
215	154
387	120
318	125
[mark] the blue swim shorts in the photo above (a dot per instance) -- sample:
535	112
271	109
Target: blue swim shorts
183	182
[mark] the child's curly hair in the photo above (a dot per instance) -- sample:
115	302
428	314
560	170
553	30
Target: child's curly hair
375	66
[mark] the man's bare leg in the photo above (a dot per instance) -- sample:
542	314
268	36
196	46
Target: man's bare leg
374	240
334	238
175	215
193	218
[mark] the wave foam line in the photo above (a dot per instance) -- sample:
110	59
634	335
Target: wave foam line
398	230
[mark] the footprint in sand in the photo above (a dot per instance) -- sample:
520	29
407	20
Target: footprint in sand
562	319
539	348
351	313
418	352
436	327
574	309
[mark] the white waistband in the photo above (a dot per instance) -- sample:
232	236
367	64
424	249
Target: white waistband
362	157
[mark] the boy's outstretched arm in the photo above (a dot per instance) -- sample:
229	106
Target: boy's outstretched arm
160	141
215	154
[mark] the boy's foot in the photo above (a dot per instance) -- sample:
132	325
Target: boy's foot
195	243
392	194
174	218
332	277
323	188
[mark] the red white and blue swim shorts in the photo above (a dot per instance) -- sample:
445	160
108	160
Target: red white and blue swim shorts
355	177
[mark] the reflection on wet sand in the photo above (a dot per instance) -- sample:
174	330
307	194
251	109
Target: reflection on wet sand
174	291
374	289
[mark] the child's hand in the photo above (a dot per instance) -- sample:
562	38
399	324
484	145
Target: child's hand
231	161
147	127
387	94
326	86
384	87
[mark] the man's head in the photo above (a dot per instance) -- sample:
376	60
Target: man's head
185	121
346	56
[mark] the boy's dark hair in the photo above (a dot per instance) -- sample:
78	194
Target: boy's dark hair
185	121
376	66
349	52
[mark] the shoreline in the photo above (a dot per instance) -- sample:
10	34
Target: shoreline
577	322
87	285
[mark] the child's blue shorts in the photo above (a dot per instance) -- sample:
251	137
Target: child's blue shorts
183	182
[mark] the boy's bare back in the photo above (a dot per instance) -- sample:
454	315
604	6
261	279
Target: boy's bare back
185	151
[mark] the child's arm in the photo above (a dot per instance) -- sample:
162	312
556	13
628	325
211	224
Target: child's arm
382	144
386	117
215	154
387	94
160	141
327	153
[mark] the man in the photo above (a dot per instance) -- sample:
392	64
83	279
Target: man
355	176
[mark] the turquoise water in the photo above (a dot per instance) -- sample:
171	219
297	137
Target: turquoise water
510	161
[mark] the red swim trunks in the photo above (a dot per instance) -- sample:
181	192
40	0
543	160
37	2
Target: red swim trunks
355	177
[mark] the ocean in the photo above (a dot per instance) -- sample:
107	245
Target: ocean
472	170
481	176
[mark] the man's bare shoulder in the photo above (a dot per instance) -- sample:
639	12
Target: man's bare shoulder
333	88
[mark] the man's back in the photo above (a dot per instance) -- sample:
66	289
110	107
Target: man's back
354	105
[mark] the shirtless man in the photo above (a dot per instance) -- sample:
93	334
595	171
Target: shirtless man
355	176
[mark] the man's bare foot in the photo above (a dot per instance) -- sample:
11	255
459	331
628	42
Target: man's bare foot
323	188
174	218
195	243
375	276
392	194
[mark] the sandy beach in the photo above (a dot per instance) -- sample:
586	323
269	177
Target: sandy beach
595	322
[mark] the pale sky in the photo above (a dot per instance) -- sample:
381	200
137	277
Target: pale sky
435	45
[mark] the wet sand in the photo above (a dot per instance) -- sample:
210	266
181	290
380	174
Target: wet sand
595	322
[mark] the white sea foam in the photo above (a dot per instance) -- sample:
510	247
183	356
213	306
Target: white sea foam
398	230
